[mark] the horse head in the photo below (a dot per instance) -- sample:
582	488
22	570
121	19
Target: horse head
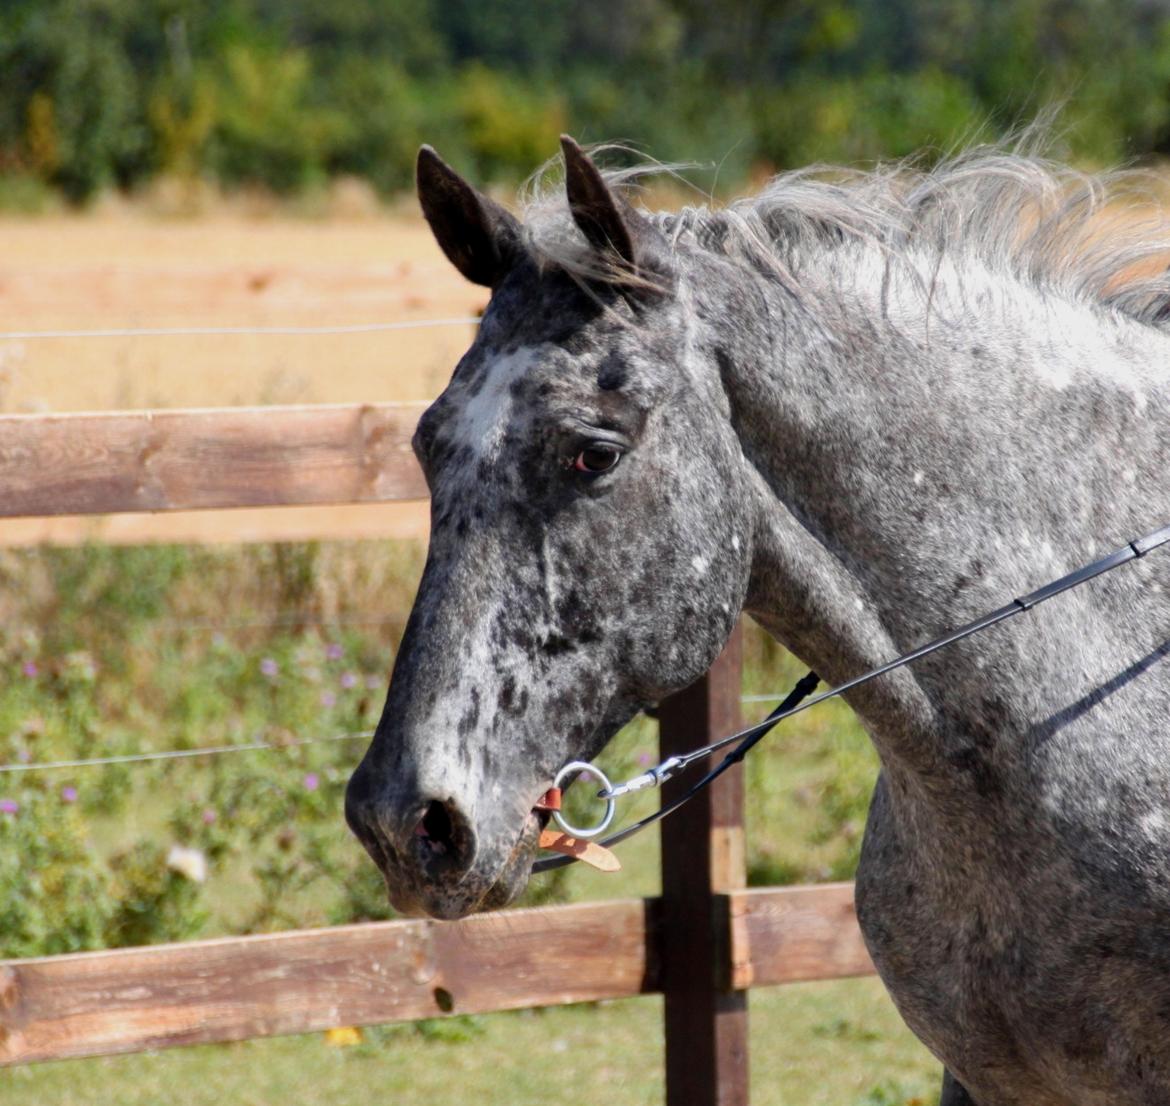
590	536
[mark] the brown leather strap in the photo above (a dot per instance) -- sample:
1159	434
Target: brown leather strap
590	852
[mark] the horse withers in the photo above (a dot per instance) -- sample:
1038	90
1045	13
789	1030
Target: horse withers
860	408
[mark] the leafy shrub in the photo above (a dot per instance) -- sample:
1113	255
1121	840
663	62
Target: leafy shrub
268	130
55	896
154	901
510	125
865	117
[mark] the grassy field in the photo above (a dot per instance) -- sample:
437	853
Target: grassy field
125	650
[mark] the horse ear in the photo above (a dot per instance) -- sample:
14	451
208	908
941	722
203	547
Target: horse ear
602	217
480	238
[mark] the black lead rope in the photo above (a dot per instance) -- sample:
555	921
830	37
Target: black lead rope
797	699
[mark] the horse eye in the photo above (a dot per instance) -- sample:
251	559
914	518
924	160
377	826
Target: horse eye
597	459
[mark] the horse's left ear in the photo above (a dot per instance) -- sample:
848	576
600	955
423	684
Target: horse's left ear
606	220
480	238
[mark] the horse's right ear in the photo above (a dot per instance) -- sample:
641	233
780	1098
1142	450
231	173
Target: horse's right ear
480	238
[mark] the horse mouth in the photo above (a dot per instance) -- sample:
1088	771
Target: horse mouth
512	881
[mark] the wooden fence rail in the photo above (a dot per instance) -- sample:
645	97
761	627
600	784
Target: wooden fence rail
128	1000
97	464
702	945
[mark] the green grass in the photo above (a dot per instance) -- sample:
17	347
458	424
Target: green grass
134	650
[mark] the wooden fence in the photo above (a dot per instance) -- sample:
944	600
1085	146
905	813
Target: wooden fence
128	1000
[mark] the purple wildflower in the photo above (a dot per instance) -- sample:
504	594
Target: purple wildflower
68	794
269	667
328	699
348	680
209	817
644	759
334	652
9	806
29	669
311	781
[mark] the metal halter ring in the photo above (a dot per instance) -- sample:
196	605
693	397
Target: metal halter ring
610	804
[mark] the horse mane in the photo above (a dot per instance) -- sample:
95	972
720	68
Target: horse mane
1099	239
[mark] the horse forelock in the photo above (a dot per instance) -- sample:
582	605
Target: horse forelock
1101	239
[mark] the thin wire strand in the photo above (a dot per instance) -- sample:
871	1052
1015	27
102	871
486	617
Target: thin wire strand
217	750
281	622
195	331
181	754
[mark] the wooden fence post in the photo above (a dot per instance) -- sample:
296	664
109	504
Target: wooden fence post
703	860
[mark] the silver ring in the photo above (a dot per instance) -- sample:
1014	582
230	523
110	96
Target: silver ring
610	804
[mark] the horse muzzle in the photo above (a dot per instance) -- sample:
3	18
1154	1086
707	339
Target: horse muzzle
433	858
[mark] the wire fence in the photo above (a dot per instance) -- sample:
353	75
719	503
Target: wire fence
283	621
181	754
237	747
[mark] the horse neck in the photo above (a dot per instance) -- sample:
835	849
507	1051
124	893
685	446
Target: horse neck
917	467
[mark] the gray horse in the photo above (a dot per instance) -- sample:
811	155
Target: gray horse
863	409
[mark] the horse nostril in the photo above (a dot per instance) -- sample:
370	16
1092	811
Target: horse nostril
435	826
445	837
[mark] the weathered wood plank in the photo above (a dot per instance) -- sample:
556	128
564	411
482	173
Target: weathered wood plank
194	459
789	934
129	1000
702	859
231	989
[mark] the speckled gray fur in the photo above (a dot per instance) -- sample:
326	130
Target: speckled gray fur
861	439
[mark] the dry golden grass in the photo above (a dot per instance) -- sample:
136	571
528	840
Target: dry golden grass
131	270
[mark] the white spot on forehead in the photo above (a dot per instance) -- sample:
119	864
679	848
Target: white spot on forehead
918	478
700	564
484	417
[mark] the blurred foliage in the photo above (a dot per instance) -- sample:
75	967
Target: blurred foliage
282	94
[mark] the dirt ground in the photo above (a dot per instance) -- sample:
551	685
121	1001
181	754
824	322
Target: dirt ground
129	270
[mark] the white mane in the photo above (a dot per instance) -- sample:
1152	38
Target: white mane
1097	239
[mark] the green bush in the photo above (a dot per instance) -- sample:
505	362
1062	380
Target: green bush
268	130
55	895
865	118
511	126
101	92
